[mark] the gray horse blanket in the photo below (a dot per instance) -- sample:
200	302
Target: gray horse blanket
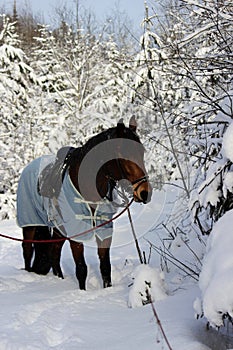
68	211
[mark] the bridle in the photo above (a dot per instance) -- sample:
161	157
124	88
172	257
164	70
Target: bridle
139	181
112	182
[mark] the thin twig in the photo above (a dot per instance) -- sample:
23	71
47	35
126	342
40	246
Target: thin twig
183	267
158	320
149	298
135	237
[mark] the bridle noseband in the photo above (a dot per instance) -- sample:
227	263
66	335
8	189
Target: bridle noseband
112	182
140	181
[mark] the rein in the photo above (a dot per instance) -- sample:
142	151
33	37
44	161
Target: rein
68	238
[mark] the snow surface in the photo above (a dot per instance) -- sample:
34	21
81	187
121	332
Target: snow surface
44	312
147	280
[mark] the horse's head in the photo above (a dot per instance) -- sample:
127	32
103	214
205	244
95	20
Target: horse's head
130	160
113	155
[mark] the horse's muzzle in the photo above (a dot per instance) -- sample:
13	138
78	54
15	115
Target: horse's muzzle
143	197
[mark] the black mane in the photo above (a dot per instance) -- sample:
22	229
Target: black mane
112	133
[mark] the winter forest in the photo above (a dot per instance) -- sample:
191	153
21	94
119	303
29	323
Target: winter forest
64	82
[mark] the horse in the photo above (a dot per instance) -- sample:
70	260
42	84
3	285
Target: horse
64	195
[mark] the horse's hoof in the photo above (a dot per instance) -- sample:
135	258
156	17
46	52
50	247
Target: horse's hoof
58	273
107	284
40	270
28	269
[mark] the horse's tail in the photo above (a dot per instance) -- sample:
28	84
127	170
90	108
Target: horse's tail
42	260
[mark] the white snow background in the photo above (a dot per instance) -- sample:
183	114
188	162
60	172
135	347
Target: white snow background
44	312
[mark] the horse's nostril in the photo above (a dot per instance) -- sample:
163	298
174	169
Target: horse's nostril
145	196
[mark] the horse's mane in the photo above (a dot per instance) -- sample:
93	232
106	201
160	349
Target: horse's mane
79	153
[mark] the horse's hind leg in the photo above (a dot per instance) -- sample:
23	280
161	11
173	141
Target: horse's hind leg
81	267
56	254
42	260
104	256
28	249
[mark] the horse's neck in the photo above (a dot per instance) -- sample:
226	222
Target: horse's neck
88	192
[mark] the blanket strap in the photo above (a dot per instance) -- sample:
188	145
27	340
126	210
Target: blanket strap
90	217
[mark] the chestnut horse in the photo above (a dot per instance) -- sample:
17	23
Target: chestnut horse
63	196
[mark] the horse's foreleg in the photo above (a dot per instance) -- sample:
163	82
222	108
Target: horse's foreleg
28	234
104	256
56	255
81	267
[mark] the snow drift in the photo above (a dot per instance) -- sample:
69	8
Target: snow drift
216	278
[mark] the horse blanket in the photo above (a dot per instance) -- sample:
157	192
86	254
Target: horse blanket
67	211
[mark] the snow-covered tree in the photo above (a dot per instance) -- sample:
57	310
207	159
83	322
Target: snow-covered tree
16	76
16	79
184	78
211	110
159	92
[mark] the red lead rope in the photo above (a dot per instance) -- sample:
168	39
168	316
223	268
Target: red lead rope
68	238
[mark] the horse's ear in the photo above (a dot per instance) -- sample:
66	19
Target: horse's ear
133	123
120	127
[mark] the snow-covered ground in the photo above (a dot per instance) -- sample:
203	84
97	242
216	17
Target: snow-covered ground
44	312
